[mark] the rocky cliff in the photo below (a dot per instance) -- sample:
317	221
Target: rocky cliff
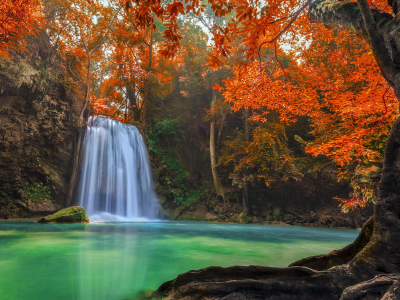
37	131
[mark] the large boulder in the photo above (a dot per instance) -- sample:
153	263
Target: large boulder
73	214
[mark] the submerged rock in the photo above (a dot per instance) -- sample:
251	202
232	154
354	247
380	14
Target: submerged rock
73	214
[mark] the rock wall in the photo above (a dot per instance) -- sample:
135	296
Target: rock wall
37	131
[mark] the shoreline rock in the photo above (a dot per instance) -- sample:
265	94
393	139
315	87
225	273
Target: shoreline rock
73	214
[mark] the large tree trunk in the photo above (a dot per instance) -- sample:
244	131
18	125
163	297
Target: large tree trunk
362	270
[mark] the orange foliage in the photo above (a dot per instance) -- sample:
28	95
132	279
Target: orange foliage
334	81
18	19
291	66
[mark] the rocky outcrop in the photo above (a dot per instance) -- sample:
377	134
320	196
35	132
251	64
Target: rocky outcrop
37	131
73	214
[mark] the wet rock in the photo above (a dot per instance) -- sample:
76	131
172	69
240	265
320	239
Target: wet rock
73	214
37	129
276	210
210	216
243	219
40	206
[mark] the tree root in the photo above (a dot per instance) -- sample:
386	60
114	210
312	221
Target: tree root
319	277
341	256
252	282
383	287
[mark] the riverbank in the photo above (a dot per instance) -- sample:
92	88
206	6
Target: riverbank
324	214
284	214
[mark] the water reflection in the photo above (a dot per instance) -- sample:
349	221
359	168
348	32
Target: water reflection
113	262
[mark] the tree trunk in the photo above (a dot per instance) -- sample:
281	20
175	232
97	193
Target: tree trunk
130	91
87	90
74	170
245	170
213	153
147	91
126	110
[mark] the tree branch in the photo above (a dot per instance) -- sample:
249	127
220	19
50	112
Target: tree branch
376	27
377	43
107	32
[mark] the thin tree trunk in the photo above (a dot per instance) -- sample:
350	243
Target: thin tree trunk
245	170
147	92
213	153
87	89
126	109
221	126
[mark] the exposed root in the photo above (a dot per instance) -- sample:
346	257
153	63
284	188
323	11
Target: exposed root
295	282
341	256
252	282
383	287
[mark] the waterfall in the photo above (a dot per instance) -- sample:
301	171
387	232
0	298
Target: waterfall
115	179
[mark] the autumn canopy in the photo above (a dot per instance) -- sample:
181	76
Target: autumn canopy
282	58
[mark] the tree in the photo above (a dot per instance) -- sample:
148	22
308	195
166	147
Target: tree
347	102
265	157
377	249
79	30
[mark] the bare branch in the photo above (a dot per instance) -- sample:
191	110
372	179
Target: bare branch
296	15
107	32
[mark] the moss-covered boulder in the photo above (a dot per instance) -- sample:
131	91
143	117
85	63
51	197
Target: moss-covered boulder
73	214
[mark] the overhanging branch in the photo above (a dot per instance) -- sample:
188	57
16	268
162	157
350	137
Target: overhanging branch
379	29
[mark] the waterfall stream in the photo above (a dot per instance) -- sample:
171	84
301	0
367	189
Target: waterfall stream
115	179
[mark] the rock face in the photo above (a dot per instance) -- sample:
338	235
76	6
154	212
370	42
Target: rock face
37	131
73	214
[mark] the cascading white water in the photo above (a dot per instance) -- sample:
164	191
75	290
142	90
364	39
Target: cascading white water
115	177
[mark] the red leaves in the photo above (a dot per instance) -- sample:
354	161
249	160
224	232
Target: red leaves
175	8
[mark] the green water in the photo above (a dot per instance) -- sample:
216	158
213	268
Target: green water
117	260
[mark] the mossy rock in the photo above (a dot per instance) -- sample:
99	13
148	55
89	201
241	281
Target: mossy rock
243	219
73	214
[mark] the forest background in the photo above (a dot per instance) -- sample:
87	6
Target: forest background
242	126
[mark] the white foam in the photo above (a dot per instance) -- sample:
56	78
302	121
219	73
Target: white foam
105	217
